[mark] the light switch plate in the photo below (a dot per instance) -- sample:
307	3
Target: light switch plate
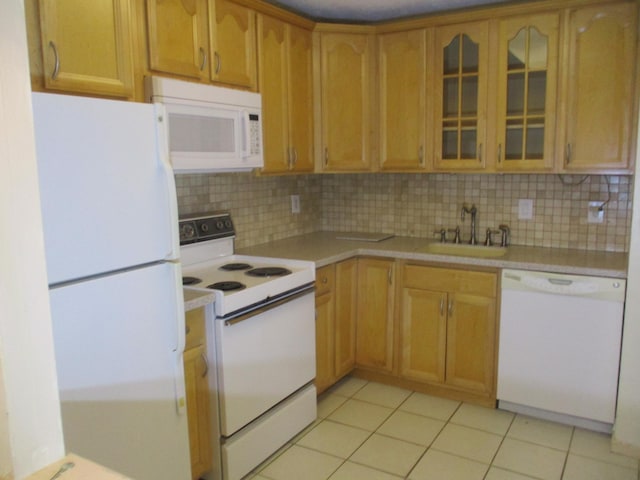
595	214
295	203
525	209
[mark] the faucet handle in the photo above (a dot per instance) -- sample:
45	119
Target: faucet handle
506	233
488	241
457	232
443	234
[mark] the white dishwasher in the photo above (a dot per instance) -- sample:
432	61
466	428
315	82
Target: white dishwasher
560	338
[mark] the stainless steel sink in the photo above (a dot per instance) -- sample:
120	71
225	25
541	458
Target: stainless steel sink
463	250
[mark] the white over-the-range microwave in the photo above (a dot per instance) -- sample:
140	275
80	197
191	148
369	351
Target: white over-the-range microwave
210	128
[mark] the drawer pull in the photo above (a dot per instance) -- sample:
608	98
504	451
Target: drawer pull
56	65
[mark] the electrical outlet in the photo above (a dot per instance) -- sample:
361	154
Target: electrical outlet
295	203
595	213
525	209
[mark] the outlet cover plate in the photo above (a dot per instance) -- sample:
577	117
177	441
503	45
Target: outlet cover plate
595	215
525	209
295	203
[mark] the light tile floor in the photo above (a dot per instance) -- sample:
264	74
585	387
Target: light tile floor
369	431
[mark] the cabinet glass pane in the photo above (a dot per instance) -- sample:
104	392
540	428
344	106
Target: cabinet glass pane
514	140
517	53
535	141
515	93
469	96
537	92
470	52
450	98
450	144
526	95
538	50
452	57
468	144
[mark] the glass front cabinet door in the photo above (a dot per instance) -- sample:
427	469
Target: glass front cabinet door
527	79
461	96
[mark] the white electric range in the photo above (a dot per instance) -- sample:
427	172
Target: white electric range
261	339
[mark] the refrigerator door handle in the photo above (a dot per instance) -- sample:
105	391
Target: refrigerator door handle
167	170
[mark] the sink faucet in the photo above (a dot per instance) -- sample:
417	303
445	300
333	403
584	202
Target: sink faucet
473	211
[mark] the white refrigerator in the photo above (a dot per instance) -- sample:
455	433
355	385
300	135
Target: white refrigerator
112	251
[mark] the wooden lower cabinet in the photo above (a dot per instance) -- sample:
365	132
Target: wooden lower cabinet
336	287
197	393
374	329
448	328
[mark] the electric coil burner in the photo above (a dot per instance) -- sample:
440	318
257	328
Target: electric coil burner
227	286
231	267
268	272
190	281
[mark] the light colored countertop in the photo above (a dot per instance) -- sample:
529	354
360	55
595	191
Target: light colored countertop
82	469
196	298
324	248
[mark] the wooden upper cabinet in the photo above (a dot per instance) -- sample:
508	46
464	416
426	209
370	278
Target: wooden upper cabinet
301	98
460	90
86	46
272	49
346	99
599	88
287	96
403	103
233	44
527	93
179	37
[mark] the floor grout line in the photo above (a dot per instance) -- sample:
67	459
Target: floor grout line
426	448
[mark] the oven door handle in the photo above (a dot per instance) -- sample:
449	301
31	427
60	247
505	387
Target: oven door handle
270	306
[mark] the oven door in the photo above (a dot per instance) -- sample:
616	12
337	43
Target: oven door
263	357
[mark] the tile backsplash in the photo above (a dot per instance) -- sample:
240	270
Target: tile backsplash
416	205
260	206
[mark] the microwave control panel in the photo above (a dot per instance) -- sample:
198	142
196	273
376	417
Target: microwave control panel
254	134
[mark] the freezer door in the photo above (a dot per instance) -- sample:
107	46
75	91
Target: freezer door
118	346
107	190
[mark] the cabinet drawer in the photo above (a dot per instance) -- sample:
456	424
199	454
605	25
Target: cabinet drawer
325	279
195	332
450	280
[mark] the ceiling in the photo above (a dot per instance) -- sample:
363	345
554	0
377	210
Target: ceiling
365	11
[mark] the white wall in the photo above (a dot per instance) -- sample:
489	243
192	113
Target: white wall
29	405
626	435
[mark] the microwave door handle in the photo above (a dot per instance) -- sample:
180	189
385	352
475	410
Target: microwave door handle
246	130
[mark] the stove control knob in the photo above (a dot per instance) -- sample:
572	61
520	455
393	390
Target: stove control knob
227	223
219	225
204	227
187	231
